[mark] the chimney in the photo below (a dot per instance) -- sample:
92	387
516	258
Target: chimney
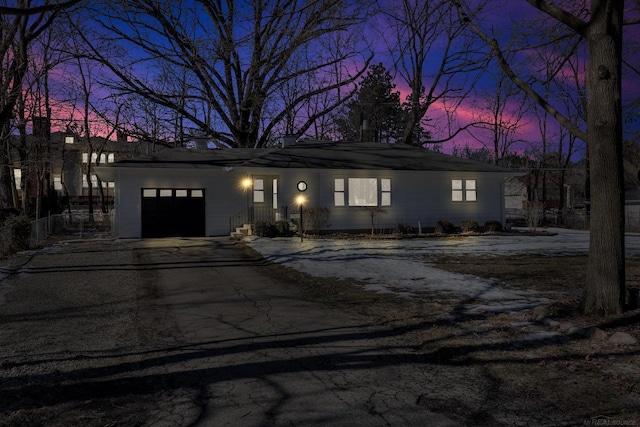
41	128
200	142
287	140
122	136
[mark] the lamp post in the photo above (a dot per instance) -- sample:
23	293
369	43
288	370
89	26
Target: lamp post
247	183
302	187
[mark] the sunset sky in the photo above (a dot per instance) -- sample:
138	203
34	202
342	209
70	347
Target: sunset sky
500	18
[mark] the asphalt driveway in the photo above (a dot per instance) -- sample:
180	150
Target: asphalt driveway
181	332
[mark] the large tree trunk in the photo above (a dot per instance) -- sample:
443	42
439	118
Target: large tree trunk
604	290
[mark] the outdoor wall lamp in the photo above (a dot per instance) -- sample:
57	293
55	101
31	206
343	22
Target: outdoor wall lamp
246	183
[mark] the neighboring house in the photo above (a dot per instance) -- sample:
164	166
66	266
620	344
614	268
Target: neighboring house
61	159
182	192
515	197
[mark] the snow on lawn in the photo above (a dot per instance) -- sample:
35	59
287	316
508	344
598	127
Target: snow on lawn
399	267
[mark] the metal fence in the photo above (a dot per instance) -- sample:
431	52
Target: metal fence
574	219
253	214
75	223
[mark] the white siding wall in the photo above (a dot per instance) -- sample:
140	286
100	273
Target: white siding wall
415	196
223	196
423	197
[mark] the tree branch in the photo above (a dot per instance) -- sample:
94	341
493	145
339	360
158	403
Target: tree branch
570	20
21	11
506	68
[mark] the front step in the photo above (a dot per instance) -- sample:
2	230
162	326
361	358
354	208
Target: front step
245	230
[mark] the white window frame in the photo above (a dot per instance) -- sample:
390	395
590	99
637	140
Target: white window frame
363	192
69	139
338	192
17	178
258	190
94	181
385	192
57	182
464	190
275	194
471	193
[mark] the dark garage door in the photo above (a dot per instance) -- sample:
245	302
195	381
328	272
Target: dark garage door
173	212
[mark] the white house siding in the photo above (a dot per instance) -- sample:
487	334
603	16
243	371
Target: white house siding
417	197
223	197
425	197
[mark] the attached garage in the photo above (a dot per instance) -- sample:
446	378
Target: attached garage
173	212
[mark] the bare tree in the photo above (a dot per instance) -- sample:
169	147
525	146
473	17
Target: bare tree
602	29
235	58
500	114
19	27
43	99
322	110
568	143
88	98
433	54
557	68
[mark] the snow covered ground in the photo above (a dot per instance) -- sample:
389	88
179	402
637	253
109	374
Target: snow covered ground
398	266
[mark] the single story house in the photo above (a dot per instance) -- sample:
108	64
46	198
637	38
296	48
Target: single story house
208	192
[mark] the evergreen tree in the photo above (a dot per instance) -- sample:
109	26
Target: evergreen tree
375	114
